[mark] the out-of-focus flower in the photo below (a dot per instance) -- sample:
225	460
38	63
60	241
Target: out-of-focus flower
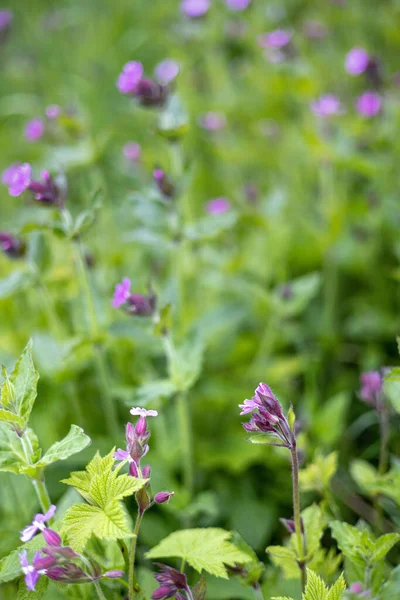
218	206
212	121
369	104
314	29
162	497
135	304
11	245
34	130
130	77
151	93
131	151
195	8
327	106
113	574
53	111
371	387
46	191
143	412
166	71
32	571
39	524
356	588
171	583
163	183
122	292
17	177
237	4
275	39
6	18
356	61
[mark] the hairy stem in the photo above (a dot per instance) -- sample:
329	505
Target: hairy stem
125	553
296	513
132	590
99	590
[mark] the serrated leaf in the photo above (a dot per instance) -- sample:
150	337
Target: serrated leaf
317	476
12	456
108	486
314	526
81	521
350	541
315	588
24	379
335	592
285	558
75	441
208	549
383	545
25	594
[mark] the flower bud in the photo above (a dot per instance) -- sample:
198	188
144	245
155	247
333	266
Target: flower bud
162	497
146	472
62	551
133	470
114	573
44	562
11	245
141	427
143	500
52	538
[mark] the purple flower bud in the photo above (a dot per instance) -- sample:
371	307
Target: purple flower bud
369	104
143	500
34	130
166	71
11	246
218	206
146	472
133	470
141	427
151	93
60	551
371	387
275	39
356	61
164	183
114	573
130	77
162	497
165	591
290	525
195	8
44	562
56	573
52	538
131	151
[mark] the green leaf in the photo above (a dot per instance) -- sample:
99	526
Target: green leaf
86	218
351	541
207	549
317	476
335	592
314	526
391	388
154	390
285	558
74	442
163	325
330	419
315	588
185	363
383	545
15	282
10	566
302	291
24	379
25	594
173	120
12	457
39	252
291	418
81	521
210	227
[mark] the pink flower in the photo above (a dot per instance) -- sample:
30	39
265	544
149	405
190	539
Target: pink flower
166	71
369	104
237	4
371	387
195	8
275	39
130	77
131	151
212	121
122	292
6	18
38	524
218	206
34	130
142	412
17	178
356	61
327	106
53	111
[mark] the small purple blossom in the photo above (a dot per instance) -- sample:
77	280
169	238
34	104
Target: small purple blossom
327	106
38	524
163	183
11	245
218	206
122	292
143	412
17	178
195	8
237	5
171	582
130	77
166	71
31	574
163	497
369	104
113	574
53	111
371	387
132	151
34	130
6	18
212	121
356	588
275	39
356	61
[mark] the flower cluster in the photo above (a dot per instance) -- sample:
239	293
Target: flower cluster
134	304
172	582
147	91
18	178
267	417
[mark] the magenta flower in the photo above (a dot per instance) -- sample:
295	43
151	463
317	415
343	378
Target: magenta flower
122	292
371	387
143	412
136	442
34	130
212	121
237	4
356	61
11	245
166	71
17	178
53	111
369	104
132	151
114	573
275	39
356	588
218	206
171	583
6	18
31	572
39	524
130	77
162	497
195	8
327	106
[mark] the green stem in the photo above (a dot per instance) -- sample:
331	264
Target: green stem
296	513
109	407
184	425
99	590
132	590
38	484
384	439
125	553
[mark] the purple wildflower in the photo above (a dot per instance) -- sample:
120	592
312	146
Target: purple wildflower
17	177
218	206
212	121
136	440
195	8
162	497
46	191
151	93
166	71
31	572
327	106
171	582
131	151
136	304
39	524
130	77
122	292
237	5
11	245
275	39
356	588
356	61
369	104
6	18
371	387
114	573
34	130
53	111
143	412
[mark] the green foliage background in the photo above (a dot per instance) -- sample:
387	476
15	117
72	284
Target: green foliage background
325	220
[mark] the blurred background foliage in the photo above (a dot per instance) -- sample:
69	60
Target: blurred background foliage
295	285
